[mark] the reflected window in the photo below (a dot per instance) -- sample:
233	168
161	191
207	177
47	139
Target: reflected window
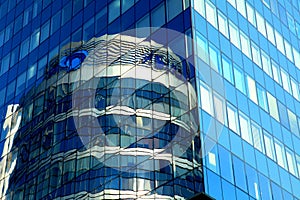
260	24
266	65
240	5
2	97
276	73
295	89
252	89
158	16
273	106
55	22
214	58
113	10
298	164
257	137
293	122
232	118
291	162
202	49
126	4
211	14
227	69
234	35
285	81
296	58
245	128
223	26
5	64
232	2
269	144
199	7
205	95
45	31
279	42
245	44
262	99
21	83
288	51
270	33
239	79
35	39
255	54
24	48
173	9
219	106
250	14
280	154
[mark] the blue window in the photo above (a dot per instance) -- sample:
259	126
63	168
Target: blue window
113	10
239	173
158	16
126	4
202	50
262	99
225	164
239	79
227	69
252	181
214	58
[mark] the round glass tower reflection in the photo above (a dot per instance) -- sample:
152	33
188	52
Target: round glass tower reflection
113	119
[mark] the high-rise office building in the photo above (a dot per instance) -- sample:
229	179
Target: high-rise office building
149	99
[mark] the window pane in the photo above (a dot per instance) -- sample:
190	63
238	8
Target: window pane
205	96
232	118
199	7
5	64
261	24
45	31
227	69
276	73
223	27
257	137
288	50
239	79
295	89
273	106
245	128
158	16
280	154
269	146
240	5
245	45
252	89
250	14
21	83
291	162
255	54
113	10
296	58
266	65
126	4
262	100
35	39
55	22
234	35
270	32
293	122
219	107
211	14
279	42
202	49
285	81
173	8
214	58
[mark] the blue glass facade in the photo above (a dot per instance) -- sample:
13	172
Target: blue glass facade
98	102
251	50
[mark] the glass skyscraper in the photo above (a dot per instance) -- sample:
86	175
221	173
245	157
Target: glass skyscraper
149	99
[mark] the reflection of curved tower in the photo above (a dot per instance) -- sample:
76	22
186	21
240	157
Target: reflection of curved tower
115	119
